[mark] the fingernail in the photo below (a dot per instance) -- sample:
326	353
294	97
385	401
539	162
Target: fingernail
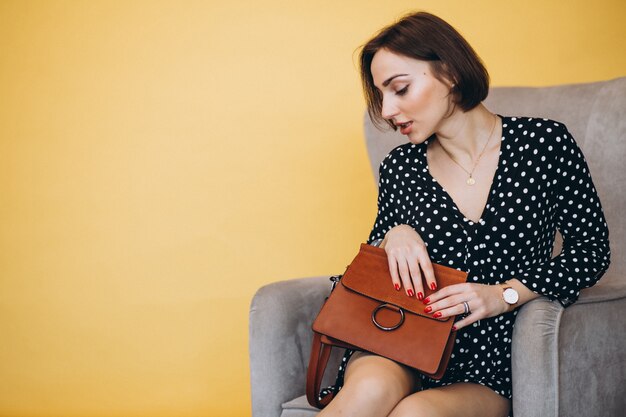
428	309
427	300
437	314
433	286
410	293
397	287
420	295
454	328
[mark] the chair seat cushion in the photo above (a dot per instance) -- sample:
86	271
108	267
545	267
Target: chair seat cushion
298	407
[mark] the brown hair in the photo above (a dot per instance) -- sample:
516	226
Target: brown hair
426	37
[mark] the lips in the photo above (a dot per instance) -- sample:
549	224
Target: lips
405	128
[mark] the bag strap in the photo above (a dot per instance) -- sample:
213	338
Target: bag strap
320	353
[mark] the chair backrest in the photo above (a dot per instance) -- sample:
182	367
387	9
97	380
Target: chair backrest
595	114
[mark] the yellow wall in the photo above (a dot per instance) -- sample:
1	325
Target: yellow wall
161	160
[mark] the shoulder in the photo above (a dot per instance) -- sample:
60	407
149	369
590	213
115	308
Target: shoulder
533	126
544	135
401	156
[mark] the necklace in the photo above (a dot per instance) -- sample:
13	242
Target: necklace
471	180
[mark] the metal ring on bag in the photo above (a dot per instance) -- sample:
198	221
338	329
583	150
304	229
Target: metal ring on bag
390	307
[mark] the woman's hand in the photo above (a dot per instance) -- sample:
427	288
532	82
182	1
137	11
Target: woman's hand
406	254
483	301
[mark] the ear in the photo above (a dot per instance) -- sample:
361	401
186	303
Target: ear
447	78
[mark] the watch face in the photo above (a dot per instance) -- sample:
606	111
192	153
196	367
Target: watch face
510	296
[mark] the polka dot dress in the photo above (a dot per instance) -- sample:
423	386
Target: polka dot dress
542	183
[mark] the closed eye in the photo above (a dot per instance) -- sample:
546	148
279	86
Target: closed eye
402	91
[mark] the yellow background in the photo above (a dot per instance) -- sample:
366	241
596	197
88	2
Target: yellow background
161	160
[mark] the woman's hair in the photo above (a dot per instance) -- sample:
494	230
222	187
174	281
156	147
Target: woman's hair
426	37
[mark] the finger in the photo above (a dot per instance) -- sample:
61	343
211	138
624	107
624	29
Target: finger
405	277
455	310
448	291
427	269
393	271
472	318
448	302
416	277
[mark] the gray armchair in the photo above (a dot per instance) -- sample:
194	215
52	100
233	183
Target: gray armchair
566	362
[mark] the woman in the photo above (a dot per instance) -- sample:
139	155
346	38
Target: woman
475	191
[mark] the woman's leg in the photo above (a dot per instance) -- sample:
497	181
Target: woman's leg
462	399
373	386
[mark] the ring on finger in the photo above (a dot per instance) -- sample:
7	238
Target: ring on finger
466	307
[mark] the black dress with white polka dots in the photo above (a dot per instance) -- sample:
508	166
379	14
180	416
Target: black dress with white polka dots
542	183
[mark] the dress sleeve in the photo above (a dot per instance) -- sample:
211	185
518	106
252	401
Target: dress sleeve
579	217
387	212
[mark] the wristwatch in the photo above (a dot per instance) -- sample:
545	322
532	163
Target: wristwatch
510	296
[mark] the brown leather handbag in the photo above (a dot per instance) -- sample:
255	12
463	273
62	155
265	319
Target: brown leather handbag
364	312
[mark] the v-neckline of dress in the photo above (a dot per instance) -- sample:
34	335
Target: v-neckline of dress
492	187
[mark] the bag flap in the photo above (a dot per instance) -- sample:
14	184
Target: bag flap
369	275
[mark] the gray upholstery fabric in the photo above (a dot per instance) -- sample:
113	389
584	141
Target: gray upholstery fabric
281	315
535	364
591	361
566	362
298	407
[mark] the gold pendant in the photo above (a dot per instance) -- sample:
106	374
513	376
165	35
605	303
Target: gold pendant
470	181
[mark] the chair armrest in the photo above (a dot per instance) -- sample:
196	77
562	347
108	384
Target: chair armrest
572	361
534	358
281	315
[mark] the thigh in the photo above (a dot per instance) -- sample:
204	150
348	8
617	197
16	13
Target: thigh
373	386
463	399
363	365
364	362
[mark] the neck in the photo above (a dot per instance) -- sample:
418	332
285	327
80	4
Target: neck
464	134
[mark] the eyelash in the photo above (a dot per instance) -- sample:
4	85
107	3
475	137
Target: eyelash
402	91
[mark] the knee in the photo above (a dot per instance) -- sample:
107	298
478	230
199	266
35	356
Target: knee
415	406
377	380
379	387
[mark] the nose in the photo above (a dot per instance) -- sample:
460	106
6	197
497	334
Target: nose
388	108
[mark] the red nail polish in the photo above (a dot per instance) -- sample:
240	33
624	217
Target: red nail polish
420	296
428	309
437	314
433	286
410	292
397	287
427	300
454	328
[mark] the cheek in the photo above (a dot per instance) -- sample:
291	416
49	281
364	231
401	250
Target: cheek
426	99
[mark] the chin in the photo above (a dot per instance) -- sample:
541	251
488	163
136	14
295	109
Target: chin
417	138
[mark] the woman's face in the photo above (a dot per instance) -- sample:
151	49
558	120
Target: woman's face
413	99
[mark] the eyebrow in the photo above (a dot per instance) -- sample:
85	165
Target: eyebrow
390	79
